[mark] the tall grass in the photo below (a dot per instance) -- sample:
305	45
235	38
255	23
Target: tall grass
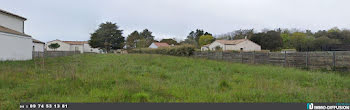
159	78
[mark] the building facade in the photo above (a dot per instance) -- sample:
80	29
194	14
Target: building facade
236	45
38	46
81	46
14	43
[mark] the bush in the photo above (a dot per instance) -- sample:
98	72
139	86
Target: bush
182	50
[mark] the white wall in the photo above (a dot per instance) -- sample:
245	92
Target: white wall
204	48
153	46
14	47
246	45
88	48
63	46
214	44
39	47
11	22
79	48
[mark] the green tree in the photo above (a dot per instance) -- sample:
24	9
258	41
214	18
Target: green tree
270	40
205	39
301	41
169	41
286	41
148	37
323	41
193	37
54	46
107	37
132	39
241	34
346	36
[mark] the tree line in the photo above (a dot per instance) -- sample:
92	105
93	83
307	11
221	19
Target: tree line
109	37
306	40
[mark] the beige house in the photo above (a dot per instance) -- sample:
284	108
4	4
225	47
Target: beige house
237	45
81	46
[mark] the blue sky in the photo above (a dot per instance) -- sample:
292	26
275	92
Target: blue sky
76	19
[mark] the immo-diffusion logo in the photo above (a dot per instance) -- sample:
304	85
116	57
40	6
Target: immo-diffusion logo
338	106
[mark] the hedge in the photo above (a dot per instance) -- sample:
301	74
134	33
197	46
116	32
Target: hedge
182	50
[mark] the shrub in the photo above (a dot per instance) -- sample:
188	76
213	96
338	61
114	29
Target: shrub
182	50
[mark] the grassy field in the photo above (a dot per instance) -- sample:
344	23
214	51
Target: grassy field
157	78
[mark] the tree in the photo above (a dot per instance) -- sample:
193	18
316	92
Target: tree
54	46
346	36
270	40
322	42
193	37
241	34
107	37
286	41
169	41
132	39
205	39
301	41
148	37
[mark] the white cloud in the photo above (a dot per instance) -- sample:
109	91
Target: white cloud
75	20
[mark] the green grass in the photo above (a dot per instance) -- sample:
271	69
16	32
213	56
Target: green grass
157	78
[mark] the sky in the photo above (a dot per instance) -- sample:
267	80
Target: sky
76	19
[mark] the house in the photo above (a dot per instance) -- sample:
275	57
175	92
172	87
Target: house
158	45
14	43
237	45
205	47
38	46
81	46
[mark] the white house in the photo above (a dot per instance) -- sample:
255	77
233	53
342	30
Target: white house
81	46
38	46
158	45
14	43
237	45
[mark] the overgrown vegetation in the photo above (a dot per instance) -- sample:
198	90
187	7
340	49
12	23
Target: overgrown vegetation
183	50
159	78
301	40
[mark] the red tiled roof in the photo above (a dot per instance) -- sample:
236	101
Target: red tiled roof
158	44
10	31
3	11
76	42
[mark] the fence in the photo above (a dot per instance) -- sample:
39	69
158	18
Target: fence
339	60
54	53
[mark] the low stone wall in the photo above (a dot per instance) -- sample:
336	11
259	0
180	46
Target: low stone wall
54	54
339	60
